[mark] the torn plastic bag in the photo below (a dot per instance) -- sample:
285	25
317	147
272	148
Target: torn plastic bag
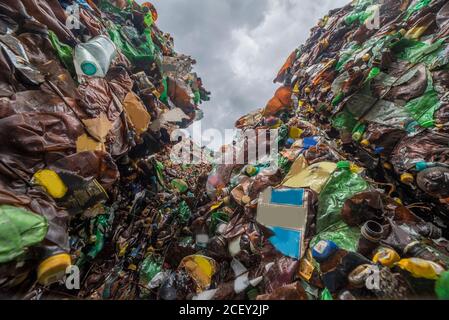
18	59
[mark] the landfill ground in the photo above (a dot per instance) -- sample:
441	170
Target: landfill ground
352	205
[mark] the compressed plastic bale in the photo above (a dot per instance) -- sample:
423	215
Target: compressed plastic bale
19	229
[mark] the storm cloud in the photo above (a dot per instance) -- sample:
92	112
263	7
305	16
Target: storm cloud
239	46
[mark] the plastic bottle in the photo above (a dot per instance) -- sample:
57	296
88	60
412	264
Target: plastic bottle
53	265
358	132
423	251
94	57
371	233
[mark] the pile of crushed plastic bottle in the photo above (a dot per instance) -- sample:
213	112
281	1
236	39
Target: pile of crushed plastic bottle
356	208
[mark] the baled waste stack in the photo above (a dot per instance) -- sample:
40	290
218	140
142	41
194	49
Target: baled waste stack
359	206
356	209
90	92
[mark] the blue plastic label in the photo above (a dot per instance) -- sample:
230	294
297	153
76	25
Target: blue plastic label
291	197
287	241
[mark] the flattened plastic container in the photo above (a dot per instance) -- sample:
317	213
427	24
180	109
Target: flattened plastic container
94	57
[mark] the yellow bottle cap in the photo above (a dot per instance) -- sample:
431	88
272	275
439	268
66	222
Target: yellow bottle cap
365	143
386	257
407	178
366	57
53	269
388	166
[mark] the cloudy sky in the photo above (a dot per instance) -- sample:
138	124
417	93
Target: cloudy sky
239	45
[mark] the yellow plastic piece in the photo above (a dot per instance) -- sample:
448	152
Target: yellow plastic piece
313	177
52	183
365	143
296	88
386	257
420	268
201	269
53	269
366	57
295	133
355	168
407	178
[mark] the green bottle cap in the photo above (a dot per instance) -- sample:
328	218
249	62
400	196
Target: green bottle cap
420	166
343	165
88	68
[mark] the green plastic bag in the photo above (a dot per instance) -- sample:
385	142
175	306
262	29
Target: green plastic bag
145	52
342	185
19	229
341	234
423	109
64	52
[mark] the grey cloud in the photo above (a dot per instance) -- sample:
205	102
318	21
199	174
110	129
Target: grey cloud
239	46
